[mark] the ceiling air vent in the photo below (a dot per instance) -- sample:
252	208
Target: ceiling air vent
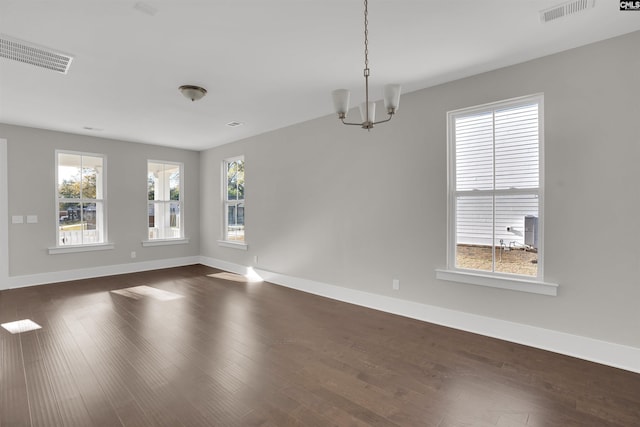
29	53
234	124
566	9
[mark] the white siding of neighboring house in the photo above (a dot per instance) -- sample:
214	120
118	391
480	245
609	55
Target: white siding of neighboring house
496	150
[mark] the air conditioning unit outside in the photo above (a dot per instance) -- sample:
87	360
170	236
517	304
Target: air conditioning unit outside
531	231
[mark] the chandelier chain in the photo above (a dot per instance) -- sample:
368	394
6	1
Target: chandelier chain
366	35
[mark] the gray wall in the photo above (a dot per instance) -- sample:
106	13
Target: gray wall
31	175
356	209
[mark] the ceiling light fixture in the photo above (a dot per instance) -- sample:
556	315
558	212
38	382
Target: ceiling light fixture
194	93
367	108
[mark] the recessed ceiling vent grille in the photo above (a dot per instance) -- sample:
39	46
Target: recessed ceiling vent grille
566	9
29	53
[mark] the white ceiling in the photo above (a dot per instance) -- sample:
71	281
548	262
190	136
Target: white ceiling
266	63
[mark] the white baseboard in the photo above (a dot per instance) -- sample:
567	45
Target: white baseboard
606	353
87	273
224	265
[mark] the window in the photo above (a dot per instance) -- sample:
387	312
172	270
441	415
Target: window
233	194
80	206
495	191
164	200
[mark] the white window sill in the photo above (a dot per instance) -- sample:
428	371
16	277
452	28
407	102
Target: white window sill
234	245
80	248
514	284
164	242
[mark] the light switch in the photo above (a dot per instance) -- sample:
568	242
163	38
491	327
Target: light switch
17	219
32	219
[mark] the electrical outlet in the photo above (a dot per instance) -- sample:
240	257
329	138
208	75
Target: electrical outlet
255	259
396	285
133	254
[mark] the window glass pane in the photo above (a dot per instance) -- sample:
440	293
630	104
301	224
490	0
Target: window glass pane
91	218
235	180
474	152
68	176
151	185
80	223
89	215
167	220
153	231
174	217
240	180
69	224
173	171
164	220
161	219
516	234
91	170
474	232
232	181
517	147
235	222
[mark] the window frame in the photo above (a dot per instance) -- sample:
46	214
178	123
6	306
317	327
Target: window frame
82	247
166	240
224	241
503	280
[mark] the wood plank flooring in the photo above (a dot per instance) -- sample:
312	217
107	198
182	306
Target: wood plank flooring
231	353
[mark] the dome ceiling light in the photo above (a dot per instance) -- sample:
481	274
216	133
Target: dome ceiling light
194	93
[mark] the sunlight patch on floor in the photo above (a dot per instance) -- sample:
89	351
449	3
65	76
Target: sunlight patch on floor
20	326
138	292
250	277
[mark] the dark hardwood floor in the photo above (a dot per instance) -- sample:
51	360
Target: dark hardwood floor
231	353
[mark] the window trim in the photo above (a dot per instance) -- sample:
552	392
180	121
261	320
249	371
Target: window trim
488	278
89	247
165	242
233	245
223	241
182	239
105	244
494	280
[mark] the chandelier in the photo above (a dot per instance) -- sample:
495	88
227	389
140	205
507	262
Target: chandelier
367	108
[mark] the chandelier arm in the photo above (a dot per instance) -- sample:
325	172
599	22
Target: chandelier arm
384	121
350	124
